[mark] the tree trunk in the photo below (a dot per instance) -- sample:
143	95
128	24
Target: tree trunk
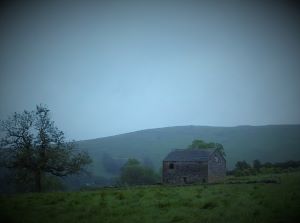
38	181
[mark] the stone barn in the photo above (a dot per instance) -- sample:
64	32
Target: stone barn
184	166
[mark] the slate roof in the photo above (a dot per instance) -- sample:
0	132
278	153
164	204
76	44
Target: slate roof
189	155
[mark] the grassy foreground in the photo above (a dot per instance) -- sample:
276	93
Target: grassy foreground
200	203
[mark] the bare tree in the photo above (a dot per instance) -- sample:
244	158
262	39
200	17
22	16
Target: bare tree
33	143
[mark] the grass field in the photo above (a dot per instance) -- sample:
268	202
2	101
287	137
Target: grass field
229	202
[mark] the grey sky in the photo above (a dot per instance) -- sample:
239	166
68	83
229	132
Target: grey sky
106	69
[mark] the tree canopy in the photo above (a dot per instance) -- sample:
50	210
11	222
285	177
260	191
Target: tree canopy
133	173
200	144
34	145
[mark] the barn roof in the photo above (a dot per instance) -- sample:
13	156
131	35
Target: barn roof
189	155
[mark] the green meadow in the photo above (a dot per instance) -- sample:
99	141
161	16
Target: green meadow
247	199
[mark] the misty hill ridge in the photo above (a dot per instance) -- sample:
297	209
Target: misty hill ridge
272	143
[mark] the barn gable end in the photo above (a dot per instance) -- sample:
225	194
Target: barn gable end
216	167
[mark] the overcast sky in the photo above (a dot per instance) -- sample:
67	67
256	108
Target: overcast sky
111	68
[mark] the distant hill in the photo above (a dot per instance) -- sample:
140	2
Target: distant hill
272	143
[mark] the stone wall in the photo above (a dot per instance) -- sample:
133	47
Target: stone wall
184	172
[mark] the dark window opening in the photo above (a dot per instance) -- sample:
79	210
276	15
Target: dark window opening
185	180
171	166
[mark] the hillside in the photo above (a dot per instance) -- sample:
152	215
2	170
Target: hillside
268	143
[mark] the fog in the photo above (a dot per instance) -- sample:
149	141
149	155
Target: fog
111	68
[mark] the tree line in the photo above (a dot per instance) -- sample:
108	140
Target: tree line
131	171
243	168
